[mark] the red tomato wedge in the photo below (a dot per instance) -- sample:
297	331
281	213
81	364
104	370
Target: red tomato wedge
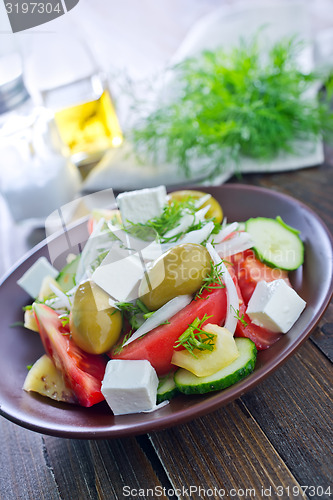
83	372
157	346
249	271
260	336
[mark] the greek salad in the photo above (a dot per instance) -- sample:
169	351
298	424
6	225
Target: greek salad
166	297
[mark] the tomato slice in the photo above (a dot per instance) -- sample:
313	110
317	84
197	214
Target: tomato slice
83	372
262	338
157	346
249	271
245	328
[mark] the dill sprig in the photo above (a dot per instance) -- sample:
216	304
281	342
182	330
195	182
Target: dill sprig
240	318
64	319
27	308
169	219
233	104
158	227
212	281
195	338
119	347
133	311
98	261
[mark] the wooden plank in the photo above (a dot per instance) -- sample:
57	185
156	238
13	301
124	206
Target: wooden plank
225	452
101	469
323	335
281	437
24	472
295	411
313	186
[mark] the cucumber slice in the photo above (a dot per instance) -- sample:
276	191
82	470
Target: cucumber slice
166	388
66	277
275	243
188	383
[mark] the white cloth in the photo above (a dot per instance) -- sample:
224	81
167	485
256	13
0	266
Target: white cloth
120	169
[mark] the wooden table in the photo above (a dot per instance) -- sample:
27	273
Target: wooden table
266	444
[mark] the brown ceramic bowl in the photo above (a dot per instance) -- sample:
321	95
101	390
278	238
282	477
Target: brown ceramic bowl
19	347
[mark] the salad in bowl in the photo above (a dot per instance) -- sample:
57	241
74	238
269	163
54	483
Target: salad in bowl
166	297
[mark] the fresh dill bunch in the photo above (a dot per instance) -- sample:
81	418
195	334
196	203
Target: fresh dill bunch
233	104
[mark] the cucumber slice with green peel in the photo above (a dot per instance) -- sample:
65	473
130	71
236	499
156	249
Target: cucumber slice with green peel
275	243
188	383
66	277
166	388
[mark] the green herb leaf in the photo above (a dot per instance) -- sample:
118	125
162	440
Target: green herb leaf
119	347
133	312
236	104
158	227
240	318
64	319
196	338
212	281
149	314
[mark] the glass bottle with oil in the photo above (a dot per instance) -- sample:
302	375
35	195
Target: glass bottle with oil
64	72
86	118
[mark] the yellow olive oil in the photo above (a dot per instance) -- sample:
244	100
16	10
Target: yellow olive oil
90	128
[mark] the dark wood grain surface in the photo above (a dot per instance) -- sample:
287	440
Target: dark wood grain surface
267	444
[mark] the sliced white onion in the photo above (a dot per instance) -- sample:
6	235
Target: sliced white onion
63	299
186	222
183	224
200	201
239	243
98	242
232	296
200	214
199	235
224	233
162	314
113	303
157	407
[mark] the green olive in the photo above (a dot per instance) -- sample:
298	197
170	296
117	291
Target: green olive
94	325
179	271
215	208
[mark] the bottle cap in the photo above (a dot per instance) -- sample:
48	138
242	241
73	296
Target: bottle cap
13	91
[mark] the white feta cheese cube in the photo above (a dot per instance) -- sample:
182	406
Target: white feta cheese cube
130	386
119	274
32	279
142	205
275	306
